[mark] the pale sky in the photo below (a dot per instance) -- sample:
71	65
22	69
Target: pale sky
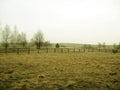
72	21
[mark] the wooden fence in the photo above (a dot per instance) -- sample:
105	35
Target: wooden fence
51	50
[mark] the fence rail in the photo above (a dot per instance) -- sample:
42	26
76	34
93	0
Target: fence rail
51	50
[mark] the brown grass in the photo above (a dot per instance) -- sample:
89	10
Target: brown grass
60	71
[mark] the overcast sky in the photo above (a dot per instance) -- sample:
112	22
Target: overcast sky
76	21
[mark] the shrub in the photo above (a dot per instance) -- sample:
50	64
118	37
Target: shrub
114	50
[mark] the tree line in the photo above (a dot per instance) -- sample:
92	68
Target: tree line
16	39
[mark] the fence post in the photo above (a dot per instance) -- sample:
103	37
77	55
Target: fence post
84	49
38	50
28	50
68	50
6	50
18	51
92	49
99	49
87	50
79	50
105	50
74	50
54	50
62	50
47	50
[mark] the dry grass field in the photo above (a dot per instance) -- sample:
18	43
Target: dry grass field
60	71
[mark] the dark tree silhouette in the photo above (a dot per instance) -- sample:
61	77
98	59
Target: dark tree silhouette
57	45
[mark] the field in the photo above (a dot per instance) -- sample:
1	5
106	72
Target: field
60	71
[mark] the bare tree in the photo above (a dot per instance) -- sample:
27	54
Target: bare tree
6	36
14	37
21	38
0	33
38	39
104	45
99	45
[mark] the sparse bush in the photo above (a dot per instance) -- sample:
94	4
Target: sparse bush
114	50
57	45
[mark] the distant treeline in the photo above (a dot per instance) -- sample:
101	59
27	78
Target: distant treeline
15	39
